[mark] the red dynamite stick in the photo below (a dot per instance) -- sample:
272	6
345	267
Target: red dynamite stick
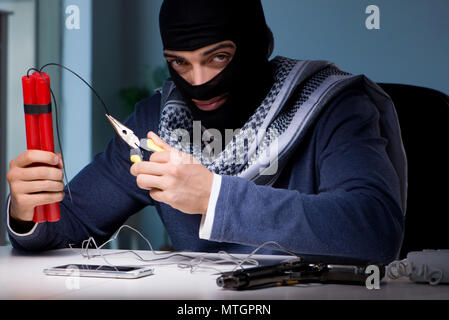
39	128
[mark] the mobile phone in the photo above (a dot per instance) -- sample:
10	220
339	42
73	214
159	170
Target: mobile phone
100	271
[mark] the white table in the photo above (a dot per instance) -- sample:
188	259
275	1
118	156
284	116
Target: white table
21	277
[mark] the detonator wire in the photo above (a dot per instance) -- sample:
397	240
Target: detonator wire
193	262
81	78
56	109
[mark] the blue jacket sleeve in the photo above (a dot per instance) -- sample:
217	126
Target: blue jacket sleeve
356	209
104	193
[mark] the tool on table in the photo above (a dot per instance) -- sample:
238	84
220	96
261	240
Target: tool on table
136	144
39	129
295	272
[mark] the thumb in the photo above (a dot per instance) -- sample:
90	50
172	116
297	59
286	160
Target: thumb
158	141
60	163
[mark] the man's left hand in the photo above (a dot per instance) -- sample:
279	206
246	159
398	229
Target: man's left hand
175	178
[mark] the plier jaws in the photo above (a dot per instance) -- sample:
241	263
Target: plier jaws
136	144
124	132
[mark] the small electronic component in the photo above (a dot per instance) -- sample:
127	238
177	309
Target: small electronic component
427	266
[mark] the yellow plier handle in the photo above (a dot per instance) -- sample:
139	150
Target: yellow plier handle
149	145
135	155
146	144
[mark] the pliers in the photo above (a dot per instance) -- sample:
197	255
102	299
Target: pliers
136	144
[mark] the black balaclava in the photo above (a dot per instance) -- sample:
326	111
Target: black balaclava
190	25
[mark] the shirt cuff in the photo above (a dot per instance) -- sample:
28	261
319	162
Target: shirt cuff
8	205
208	219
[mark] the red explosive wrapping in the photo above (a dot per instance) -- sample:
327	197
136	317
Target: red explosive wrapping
39	130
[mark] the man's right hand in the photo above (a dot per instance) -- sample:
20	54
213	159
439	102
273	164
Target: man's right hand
35	178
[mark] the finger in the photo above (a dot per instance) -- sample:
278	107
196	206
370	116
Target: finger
39	199
35	156
159	141
146	167
61	162
160	157
39	173
147	182
38	186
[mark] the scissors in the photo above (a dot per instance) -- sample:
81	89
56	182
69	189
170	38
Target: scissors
136	144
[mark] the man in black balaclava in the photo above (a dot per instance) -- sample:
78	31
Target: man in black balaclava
244	74
338	189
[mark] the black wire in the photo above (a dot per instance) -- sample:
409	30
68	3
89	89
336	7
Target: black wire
57	129
56	107
28	72
85	82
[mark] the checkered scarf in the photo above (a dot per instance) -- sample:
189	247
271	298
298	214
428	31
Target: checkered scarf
267	138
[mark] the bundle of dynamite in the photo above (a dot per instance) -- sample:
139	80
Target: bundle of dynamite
39	129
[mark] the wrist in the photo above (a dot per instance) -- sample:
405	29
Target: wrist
17	226
209	184
207	220
15	213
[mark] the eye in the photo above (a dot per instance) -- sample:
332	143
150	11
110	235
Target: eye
176	63
220	58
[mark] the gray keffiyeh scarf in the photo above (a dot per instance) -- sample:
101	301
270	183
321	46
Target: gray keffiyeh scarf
262	147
